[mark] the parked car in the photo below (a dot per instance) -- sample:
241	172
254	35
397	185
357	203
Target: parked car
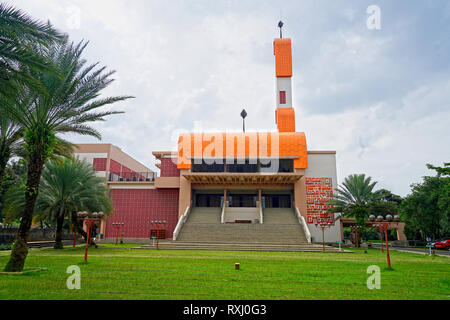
442	244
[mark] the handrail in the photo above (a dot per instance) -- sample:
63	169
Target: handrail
261	216
222	216
132	176
302	221
181	223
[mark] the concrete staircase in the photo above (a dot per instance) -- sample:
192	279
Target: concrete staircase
181	245
204	216
280	232
280	216
242	233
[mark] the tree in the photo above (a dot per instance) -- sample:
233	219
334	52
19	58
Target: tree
354	197
426	211
19	34
10	135
15	175
11	145
68	187
384	203
70	105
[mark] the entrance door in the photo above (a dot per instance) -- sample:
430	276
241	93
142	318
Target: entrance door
208	200
277	200
242	200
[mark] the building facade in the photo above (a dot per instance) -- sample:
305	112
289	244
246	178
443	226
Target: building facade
241	177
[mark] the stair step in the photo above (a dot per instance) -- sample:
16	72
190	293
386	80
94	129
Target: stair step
280	227
242	247
279	216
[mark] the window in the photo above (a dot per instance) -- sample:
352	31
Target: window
204	167
273	166
286	165
282	97
246	167
209	200
277	201
278	166
242	200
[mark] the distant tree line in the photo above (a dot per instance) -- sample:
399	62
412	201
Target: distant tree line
425	211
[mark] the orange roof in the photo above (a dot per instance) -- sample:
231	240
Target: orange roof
239	145
283	57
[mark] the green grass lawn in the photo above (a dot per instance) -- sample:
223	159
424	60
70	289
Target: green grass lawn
119	272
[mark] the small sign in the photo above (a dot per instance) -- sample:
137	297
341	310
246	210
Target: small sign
430	246
340	242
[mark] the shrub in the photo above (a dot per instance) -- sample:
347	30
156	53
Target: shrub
5	246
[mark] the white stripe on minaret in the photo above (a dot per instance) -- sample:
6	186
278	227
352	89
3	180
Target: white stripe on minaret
284	84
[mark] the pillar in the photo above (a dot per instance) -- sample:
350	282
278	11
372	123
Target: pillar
300	192
260	197
185	196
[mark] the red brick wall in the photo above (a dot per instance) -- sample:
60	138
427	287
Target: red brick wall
124	172
114	167
99	164
137	207
169	168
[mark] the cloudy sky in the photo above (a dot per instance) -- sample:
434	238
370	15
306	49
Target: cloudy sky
379	97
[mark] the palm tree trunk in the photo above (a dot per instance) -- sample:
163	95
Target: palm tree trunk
59	232
20	249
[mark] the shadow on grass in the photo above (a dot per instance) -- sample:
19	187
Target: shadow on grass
25	272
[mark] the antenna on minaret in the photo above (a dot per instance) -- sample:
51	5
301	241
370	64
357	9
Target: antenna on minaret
280	25
243	116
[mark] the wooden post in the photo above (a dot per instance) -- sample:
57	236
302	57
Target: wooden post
387	246
74	237
381	238
87	243
323	238
357	240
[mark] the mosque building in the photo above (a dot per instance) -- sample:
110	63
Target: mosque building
226	188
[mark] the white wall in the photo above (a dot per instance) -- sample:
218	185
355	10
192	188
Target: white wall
284	84
322	165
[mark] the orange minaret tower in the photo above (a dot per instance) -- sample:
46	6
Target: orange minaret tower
285	114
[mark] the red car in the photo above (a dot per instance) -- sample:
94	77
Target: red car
442	244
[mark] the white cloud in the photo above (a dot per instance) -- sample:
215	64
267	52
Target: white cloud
380	98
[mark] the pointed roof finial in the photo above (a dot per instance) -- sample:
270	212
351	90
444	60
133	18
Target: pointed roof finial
280	25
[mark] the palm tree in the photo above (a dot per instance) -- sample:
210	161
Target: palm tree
354	197
68	187
12	145
19	34
71	103
10	135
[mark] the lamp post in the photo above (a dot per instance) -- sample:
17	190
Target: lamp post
383	224
117	226
323	225
90	222
355	229
243	115
157	223
75	236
